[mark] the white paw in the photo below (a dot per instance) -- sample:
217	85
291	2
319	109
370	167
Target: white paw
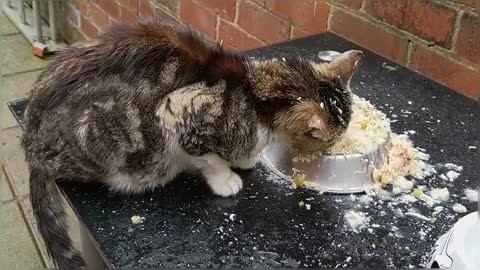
226	187
245	164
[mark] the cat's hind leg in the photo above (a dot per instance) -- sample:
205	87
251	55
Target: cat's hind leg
221	179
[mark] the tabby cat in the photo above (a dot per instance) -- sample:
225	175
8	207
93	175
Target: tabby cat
149	100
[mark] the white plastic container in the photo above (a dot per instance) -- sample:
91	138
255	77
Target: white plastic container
459	248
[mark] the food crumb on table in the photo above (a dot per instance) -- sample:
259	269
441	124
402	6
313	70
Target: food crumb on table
459	208
356	220
137	219
471	195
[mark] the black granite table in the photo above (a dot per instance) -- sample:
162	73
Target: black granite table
263	226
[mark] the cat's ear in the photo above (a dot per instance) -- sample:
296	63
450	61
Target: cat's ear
318	127
317	123
345	65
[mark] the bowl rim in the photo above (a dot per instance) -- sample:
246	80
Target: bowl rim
340	190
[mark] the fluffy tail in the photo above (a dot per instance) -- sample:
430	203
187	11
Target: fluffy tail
48	208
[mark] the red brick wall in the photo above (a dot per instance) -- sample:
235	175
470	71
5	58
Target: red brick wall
439	38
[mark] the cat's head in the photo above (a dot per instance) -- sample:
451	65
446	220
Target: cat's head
319	107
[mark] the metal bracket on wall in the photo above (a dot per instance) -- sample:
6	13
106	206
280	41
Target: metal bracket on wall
26	16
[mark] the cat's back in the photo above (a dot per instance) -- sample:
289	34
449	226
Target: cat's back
131	66
148	56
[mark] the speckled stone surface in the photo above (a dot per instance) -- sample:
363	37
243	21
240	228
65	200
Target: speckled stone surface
263	226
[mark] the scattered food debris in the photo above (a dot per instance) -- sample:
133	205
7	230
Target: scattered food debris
440	194
299	179
407	198
356	220
459	208
454	167
419	216
137	219
437	210
444	177
387	66
232	217
364	124
452	175
308	206
417	193
471	195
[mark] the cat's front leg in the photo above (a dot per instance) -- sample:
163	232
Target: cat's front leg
221	179
247	163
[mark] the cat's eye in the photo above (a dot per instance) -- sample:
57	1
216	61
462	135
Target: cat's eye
309	133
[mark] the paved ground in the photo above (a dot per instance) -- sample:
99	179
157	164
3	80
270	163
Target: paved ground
22	248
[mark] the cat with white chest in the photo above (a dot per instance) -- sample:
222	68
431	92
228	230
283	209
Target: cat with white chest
150	100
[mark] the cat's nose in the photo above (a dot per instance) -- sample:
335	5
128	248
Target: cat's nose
356	56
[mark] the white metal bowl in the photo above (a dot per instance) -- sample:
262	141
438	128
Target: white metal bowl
333	173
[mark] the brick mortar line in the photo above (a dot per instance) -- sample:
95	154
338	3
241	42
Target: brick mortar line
267	9
87	18
376	22
243	30
330	16
177	9
290	23
235	18
79	28
457	6
236	25
409	54
217	28
107	15
456	30
404	35
99	29
73	24
362	6
169	12
290	31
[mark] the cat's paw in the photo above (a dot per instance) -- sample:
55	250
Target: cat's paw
227	187
245	164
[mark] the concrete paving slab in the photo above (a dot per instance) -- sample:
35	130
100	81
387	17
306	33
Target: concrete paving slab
14	164
14	87
6	27
73	225
17	174
18	249
17	55
10	140
5	191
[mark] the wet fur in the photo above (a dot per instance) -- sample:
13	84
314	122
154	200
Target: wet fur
149	100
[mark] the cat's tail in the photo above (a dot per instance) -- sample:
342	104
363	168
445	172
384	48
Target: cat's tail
48	209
